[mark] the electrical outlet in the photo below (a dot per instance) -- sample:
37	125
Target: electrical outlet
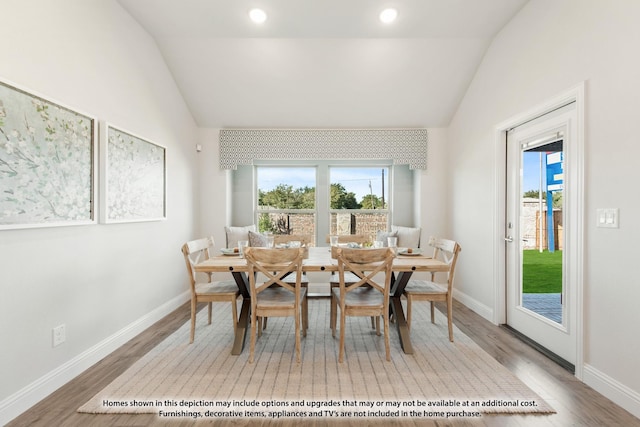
59	335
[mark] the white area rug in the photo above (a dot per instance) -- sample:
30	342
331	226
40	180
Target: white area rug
203	380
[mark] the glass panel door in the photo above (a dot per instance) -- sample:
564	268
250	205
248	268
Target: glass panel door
541	301
542	231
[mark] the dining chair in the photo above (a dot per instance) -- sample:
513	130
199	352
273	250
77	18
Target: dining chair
274	297
194	252
360	239
349	277
348	238
430	290
305	241
366	297
334	281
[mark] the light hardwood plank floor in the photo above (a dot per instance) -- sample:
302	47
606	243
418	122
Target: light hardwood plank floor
576	403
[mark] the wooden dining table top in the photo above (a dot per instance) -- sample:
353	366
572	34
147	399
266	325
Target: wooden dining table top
320	260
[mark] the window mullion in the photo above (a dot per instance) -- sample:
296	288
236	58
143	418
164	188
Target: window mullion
322	202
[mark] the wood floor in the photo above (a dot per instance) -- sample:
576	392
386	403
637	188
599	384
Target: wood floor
576	403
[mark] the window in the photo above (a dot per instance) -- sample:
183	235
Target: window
359	200
318	198
286	200
398	151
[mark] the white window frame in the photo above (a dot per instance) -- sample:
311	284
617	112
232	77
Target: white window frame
322	193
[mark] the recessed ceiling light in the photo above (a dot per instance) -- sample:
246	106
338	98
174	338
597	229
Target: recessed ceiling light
387	16
258	15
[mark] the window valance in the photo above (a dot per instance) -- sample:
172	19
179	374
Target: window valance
243	146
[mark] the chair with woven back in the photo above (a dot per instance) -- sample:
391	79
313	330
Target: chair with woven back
196	251
366	297
430	290
274	297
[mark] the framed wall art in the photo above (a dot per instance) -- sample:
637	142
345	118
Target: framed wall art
133	181
47	162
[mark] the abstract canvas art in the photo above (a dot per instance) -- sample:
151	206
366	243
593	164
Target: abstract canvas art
47	158
134	180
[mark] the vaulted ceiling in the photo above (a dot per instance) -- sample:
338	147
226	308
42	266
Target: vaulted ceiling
322	63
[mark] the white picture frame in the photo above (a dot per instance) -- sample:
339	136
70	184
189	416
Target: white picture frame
48	161
133	180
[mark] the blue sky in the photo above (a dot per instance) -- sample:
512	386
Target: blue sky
270	177
531	171
354	179
357	179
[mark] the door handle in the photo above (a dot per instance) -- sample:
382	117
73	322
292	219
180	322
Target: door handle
508	239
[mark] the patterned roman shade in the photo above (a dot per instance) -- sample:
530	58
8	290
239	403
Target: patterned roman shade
243	146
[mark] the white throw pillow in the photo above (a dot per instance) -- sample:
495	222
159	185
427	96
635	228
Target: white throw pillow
234	234
408	237
382	236
257	240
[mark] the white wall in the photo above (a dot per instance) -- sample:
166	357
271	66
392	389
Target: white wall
549	47
431	188
215	195
99	280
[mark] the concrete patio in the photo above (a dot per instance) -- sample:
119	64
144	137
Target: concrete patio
547	305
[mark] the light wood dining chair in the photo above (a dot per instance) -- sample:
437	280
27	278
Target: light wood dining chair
196	251
429	290
274	297
348	238
304	239
366	297
334	281
349	277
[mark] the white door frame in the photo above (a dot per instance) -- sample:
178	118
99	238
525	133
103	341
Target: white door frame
575	239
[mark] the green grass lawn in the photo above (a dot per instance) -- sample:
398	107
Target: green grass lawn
541	272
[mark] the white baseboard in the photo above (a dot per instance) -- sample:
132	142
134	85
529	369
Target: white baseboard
474	305
612	389
619	393
19	402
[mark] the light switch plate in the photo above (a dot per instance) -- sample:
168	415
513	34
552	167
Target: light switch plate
607	218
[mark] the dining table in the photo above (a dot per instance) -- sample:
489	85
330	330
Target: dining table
320	260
